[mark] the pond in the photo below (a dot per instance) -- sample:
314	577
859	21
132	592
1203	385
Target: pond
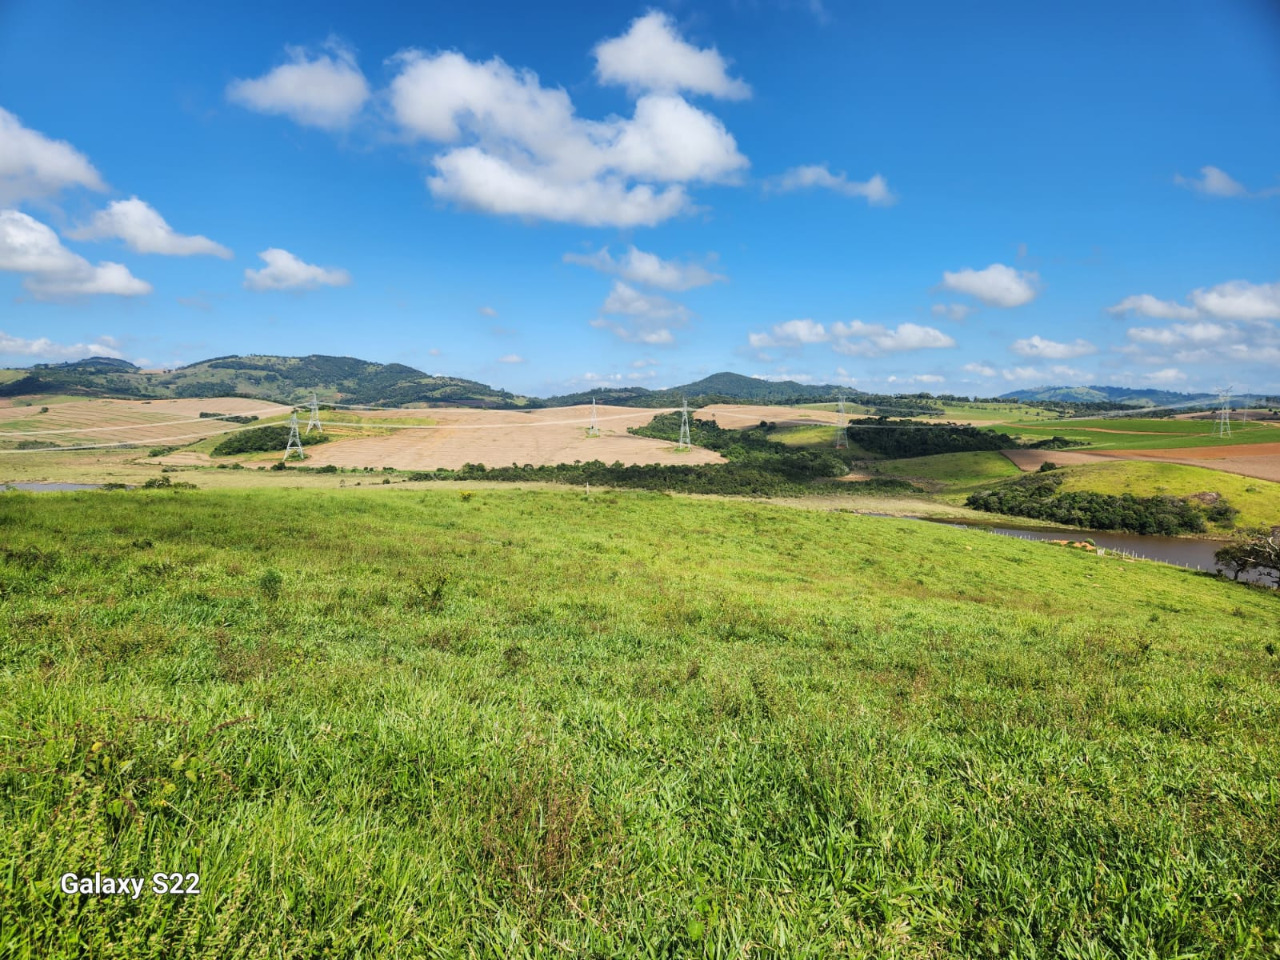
1179	551
49	487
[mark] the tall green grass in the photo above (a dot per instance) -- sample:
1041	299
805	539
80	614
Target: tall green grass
385	724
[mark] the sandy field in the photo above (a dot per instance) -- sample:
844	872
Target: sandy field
733	416
499	438
94	422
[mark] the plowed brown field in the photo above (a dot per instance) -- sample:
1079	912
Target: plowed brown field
1261	460
733	416
498	438
105	422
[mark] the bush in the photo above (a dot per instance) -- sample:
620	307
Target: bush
262	440
1047	466
157	483
161	451
902	439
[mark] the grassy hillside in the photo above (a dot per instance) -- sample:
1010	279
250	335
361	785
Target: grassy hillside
1257	500
282	379
1121	396
962	469
534	724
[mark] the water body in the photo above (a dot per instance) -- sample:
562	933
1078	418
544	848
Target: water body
49	487
1179	551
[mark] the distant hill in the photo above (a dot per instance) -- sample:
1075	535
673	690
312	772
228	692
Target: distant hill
282	379
1120	396
717	388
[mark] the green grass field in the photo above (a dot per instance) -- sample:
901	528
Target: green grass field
962	469
1134	434
394	723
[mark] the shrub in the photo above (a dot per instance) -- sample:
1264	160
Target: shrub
262	440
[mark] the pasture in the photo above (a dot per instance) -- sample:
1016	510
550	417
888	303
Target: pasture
403	723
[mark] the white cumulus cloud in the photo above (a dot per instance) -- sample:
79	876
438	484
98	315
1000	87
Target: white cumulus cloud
981	369
996	285
1180	334
1240	300
518	148
50	270
511	358
326	90
144	230
854	338
647	268
1037	346
869	339
33	166
646	318
1169	375
1214	182
652	55
284	271
875	191
1233	300
42	348
1149	306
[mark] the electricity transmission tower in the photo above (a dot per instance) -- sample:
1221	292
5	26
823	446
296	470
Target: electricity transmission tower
684	443
314	421
593	430
295	442
1223	426
842	430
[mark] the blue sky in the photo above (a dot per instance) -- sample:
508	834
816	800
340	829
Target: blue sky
898	196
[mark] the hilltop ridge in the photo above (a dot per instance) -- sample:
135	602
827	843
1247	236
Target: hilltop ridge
363	382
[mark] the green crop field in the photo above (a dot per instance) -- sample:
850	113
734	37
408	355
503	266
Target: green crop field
1134	434
528	723
999	412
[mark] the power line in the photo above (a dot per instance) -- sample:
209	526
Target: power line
1223	426
842	430
684	443
295	442
314	420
